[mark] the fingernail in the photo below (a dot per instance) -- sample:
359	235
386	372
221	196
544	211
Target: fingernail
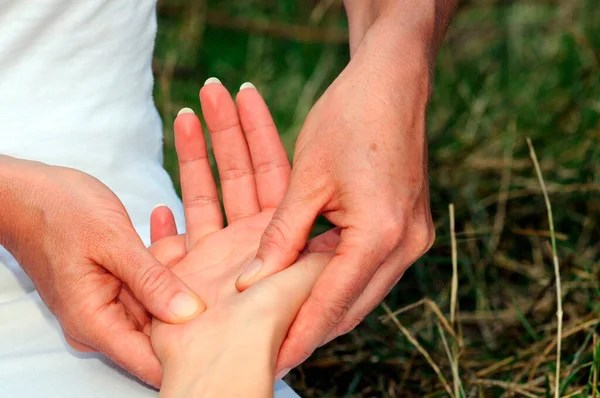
212	80
185	110
183	305
159	205
251	270
247	85
282	373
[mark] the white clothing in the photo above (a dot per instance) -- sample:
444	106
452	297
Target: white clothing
76	90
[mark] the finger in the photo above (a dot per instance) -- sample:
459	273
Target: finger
383	281
135	310
378	288
169	251
338	287
327	241
198	189
269	159
162	223
287	290
231	152
131	350
286	235
153	285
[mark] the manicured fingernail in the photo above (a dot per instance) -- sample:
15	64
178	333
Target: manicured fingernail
247	85
184	306
160	205
250	271
212	80
282	373
184	110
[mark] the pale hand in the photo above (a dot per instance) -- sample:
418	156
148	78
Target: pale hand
209	258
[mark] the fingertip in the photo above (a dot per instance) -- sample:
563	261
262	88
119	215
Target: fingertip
162	223
185	111
246	86
160	213
212	80
281	374
185	306
212	85
250	274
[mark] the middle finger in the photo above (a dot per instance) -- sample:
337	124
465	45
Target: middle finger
231	152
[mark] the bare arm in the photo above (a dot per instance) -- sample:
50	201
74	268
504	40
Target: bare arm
65	227
426	19
365	134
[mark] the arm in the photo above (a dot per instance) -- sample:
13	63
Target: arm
65	228
13	191
365	135
426	20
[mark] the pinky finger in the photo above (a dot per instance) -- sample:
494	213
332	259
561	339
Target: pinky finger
162	223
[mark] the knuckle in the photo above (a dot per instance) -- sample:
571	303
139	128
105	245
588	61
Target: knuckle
424	237
275	234
334	311
267	167
199	201
392	231
296	349
235	173
347	325
151	281
193	159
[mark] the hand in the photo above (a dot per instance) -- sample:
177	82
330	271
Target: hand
248	327
360	160
75	240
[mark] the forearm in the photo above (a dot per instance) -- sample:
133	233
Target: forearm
16	193
243	367
424	21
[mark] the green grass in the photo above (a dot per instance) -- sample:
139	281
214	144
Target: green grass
508	70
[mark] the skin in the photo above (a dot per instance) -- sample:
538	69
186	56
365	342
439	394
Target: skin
365	135
239	333
74	239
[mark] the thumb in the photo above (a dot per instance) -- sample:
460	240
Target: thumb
162	293
285	236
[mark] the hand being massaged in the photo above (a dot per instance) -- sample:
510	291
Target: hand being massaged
238	333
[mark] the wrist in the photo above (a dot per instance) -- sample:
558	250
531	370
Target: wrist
422	22
207	365
17	193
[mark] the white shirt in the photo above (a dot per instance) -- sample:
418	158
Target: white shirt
76	90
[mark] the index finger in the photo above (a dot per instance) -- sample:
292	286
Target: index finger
338	287
129	348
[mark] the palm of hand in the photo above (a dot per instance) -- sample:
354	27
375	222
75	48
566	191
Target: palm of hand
209	258
254	171
210	269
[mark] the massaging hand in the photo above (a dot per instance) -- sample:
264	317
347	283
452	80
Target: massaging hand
361	161
254	173
76	242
